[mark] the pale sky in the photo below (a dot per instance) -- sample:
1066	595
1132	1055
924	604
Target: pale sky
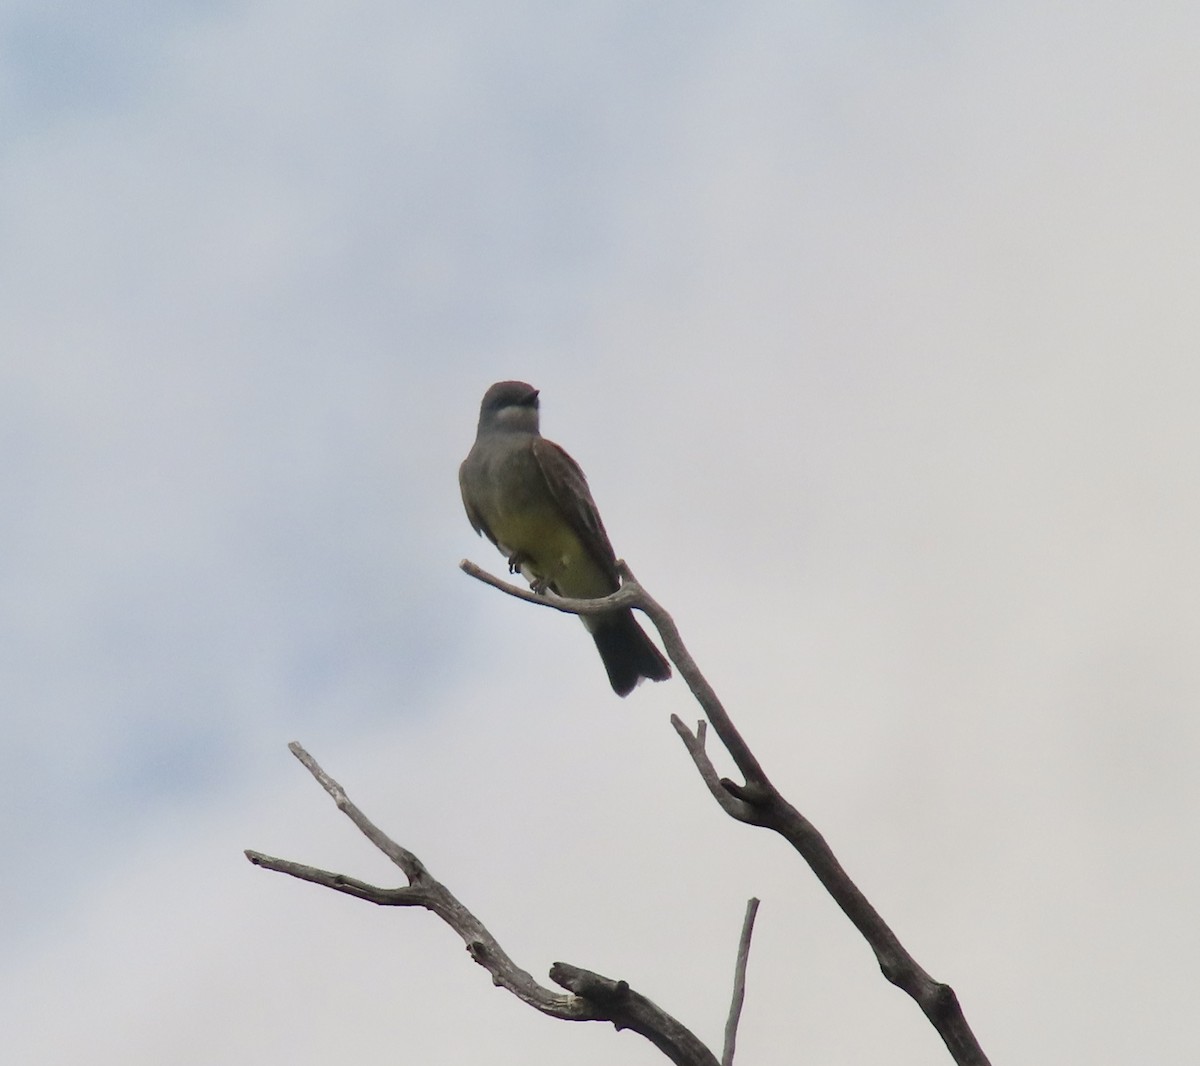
878	336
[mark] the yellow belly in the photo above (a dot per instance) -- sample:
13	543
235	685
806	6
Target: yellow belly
552	552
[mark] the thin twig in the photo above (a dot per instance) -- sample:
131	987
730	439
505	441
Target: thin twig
739	982
718	786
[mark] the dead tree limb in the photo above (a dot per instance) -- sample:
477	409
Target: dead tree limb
592	997
756	801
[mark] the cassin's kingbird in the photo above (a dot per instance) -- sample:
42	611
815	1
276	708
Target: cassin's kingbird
530	499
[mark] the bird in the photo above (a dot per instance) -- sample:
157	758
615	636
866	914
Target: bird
531	499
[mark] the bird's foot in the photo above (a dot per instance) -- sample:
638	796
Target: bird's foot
517	563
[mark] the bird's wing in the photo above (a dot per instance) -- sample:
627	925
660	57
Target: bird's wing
473	516
569	488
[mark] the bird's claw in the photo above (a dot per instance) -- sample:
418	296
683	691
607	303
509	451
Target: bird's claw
516	562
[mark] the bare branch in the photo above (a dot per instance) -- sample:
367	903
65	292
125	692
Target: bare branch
757	787
762	804
623	597
739	982
406	860
591	998
408	896
758	802
628	1009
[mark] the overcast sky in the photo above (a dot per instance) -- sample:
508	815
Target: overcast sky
877	333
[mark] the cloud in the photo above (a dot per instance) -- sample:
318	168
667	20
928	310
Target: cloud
873	332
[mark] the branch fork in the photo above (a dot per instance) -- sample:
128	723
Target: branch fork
589	996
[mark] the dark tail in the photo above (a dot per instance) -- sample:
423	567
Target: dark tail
628	654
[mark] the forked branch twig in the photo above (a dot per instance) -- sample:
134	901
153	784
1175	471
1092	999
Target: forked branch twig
591	997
